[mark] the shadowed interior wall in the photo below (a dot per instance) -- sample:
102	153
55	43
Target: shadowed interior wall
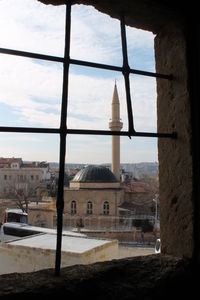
175	159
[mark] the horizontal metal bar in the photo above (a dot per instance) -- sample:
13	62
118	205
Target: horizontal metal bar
121	133
95	65
86	132
82	63
151	74
31	55
172	135
118	69
29	130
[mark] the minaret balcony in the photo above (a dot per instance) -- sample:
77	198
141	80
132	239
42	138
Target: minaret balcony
115	125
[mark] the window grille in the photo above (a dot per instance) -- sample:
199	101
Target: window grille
63	131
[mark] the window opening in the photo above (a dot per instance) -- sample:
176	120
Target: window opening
106	208
73	207
63	131
89	208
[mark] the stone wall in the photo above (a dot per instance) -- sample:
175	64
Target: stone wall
175	159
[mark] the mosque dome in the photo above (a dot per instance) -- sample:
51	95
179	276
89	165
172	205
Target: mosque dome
93	173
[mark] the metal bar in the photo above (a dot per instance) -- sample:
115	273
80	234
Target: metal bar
60	195
121	133
126	71
29	130
82	63
95	65
172	135
151	74
118	69
85	132
31	55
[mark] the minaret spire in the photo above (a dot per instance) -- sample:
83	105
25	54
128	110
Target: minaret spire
115	125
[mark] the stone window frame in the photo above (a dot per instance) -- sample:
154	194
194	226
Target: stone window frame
63	131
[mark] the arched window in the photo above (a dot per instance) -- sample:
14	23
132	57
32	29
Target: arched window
89	208
73	207
106	208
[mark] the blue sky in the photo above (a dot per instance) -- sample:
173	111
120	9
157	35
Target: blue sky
31	90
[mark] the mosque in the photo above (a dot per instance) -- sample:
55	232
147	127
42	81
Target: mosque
94	194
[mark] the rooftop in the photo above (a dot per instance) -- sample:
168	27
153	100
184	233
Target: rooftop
75	244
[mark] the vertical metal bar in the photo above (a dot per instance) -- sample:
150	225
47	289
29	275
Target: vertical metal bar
126	72
63	131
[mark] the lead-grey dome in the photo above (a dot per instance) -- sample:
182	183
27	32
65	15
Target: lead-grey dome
94	174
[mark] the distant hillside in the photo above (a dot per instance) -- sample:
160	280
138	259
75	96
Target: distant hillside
137	169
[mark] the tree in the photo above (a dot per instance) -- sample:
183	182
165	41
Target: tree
23	192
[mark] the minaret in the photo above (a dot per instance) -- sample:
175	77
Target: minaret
115	125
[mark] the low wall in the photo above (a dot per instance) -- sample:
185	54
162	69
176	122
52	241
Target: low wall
21	259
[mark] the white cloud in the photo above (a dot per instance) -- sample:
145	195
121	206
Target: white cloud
95	36
32	91
32	26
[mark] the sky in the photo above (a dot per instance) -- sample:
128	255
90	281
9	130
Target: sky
31	90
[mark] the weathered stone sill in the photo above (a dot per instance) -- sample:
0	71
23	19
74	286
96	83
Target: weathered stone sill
144	277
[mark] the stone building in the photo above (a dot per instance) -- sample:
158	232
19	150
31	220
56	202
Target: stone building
95	193
93	197
15	175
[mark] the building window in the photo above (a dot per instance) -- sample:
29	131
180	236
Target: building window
73	207
106	208
5	177
89	208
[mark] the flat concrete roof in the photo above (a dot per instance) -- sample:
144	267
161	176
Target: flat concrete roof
69	243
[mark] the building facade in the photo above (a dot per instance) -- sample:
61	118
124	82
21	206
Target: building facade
94	194
92	199
15	175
